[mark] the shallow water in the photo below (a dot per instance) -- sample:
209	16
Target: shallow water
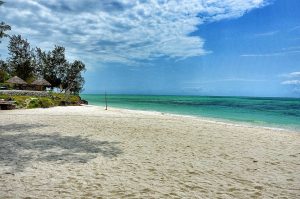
271	112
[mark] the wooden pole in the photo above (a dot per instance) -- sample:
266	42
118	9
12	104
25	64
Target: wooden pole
105	101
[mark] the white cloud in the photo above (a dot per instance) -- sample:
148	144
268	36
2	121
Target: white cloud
291	75
294	74
127	31
291	82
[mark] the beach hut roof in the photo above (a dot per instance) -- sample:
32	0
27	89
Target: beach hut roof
41	82
16	80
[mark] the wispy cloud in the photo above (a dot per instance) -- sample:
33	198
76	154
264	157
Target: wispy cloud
272	54
294	28
293	80
291	48
122	31
266	34
225	80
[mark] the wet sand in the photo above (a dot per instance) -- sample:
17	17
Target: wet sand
87	152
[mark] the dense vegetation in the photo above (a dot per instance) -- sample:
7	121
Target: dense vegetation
54	99
33	63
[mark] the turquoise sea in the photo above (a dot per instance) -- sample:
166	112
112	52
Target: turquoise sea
264	111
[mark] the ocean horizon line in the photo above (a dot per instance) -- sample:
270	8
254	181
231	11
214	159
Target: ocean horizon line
192	95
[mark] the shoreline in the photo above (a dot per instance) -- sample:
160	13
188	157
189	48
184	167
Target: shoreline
158	113
208	119
200	118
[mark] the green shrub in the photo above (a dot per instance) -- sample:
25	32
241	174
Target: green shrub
73	99
46	102
34	104
21	101
56	99
61	99
3	96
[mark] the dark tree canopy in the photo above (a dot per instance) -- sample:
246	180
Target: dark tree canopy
3	71
51	65
54	67
3	65
73	80
21	60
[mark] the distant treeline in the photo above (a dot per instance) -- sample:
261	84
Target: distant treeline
33	63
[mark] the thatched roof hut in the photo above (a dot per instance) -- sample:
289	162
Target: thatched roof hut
41	82
16	80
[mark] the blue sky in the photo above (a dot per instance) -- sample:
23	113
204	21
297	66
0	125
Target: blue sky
191	47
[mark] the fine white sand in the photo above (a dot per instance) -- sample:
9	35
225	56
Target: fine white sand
87	152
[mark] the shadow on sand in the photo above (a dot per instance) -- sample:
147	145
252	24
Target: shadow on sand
18	150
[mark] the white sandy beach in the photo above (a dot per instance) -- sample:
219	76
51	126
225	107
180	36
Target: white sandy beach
87	152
